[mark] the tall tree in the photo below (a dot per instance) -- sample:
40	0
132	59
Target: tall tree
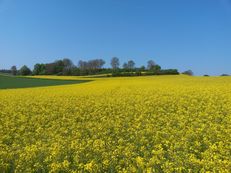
14	70
142	68
25	70
36	69
91	67
115	63
100	63
68	66
50	68
82	65
150	64
67	63
95	64
39	69
131	64
59	66
157	67
125	66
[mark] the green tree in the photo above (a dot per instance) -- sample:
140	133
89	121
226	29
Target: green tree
150	64
115	63
142	68
39	69
125	66
156	68
14	70
188	72
25	70
68	66
131	64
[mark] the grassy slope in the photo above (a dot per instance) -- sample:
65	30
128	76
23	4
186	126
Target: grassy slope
7	82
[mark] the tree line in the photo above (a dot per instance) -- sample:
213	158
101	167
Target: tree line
92	67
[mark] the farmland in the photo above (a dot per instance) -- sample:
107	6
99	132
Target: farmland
9	82
136	124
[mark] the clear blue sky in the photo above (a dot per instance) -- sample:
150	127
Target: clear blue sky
183	34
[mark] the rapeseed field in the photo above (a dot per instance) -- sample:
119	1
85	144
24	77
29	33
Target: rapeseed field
136	124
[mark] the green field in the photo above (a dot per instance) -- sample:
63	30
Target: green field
10	82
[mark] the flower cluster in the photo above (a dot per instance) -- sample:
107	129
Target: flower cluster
139	124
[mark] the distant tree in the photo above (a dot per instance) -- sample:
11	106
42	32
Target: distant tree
68	66
14	70
168	72
142	68
75	71
153	67
150	64
99	63
188	72
206	75
69	70
156	68
131	64
125	66
5	71
50	68
82	65
115	63
225	75
42	69
36	69
25	70
93	66
39	69
67	63
59	66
